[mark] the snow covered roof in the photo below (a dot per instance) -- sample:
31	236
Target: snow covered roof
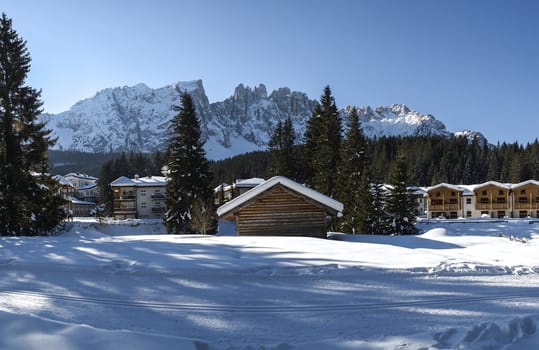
140	181
220	187
445	185
286	182
492	183
62	180
252	182
81	176
87	187
80	202
525	183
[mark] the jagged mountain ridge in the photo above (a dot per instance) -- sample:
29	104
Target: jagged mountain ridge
136	118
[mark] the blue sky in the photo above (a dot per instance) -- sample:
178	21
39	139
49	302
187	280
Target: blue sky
473	64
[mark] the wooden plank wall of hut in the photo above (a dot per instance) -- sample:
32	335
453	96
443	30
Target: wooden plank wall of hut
281	213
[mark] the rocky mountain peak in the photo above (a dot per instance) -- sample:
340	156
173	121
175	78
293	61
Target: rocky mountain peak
136	118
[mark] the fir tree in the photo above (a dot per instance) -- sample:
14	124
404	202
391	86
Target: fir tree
313	134
380	219
189	196
323	142
29	199
274	149
281	150
354	187
401	204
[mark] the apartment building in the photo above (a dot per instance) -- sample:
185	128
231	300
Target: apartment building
139	198
490	199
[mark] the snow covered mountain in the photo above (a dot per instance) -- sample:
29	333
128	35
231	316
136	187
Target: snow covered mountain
136	118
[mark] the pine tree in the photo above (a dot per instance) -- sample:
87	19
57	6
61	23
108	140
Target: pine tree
380	219
189	197
400	203
323	142
274	149
29	200
311	149
281	151
354	186
106	176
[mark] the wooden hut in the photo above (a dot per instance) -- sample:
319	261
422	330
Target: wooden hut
280	207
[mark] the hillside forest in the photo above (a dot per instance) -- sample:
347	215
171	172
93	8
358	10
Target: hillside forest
431	160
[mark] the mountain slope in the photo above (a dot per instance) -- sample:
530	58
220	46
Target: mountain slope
136	118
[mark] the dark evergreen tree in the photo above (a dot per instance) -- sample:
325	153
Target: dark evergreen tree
323	141
274	149
29	199
157	164
380	219
189	197
401	204
106	176
354	183
311	149
281	151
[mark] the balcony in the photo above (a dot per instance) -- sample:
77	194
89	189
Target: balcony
486	206
526	205
158	196
124	198
443	207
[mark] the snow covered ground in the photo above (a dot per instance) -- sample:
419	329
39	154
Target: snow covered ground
125	285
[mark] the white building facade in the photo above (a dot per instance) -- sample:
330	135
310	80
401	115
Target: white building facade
139	198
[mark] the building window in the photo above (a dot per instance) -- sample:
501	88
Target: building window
468	214
484	193
142	192
522	214
468	201
522	191
500	200
453	193
143	204
500	192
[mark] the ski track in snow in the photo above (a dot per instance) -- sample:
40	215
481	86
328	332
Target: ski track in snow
454	287
264	308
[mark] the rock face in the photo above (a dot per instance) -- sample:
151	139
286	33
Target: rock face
136	119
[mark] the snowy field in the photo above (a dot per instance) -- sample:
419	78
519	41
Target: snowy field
124	285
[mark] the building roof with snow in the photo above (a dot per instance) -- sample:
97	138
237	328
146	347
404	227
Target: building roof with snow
525	183
147	181
62	181
81	176
316	196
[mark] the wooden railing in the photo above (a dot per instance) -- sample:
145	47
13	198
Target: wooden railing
526	205
446	206
480	206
